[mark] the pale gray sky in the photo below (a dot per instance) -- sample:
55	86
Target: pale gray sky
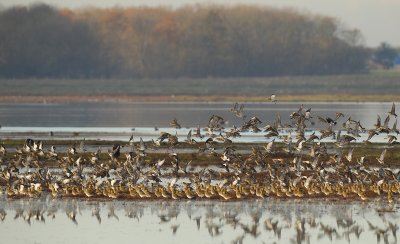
378	20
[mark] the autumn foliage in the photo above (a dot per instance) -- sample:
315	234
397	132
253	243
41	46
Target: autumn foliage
193	41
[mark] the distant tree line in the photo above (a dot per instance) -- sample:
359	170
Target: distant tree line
195	41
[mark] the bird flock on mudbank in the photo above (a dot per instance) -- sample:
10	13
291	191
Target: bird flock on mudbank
301	166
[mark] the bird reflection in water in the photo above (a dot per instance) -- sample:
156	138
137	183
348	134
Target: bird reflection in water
274	220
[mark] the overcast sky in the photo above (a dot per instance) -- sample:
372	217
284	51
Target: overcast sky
378	20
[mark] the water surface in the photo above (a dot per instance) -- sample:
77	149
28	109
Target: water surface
189	114
117	121
47	220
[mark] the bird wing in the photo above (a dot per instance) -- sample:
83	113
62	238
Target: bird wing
322	119
371	133
131	138
393	110
142	145
241	108
189	136
338	115
82	146
386	122
382	157
269	145
160	162
378	121
235	107
394	129
350	154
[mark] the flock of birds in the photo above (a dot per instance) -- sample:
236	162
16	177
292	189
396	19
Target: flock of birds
300	166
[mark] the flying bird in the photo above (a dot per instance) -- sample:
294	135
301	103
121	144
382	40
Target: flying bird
381	159
393	110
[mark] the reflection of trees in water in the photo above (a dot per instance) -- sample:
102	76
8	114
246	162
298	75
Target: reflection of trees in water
298	221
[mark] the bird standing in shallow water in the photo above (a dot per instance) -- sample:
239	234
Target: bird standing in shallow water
273	98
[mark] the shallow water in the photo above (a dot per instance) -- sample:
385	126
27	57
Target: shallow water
146	133
46	220
117	121
189	114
